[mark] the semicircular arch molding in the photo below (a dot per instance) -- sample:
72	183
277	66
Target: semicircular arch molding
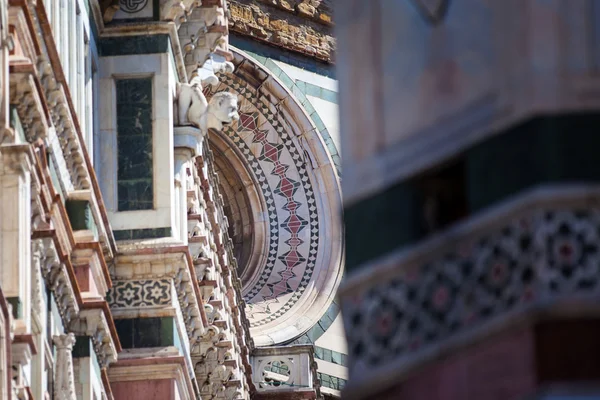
282	189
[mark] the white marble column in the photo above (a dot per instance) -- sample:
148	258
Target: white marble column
183	157
64	380
38	318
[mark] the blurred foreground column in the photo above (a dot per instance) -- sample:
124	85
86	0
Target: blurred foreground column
471	134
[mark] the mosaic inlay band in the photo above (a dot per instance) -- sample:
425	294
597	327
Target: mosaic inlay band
265	141
532	260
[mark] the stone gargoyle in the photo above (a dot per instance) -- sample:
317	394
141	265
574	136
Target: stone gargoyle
194	109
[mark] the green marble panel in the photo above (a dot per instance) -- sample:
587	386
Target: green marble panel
542	150
134	144
137	234
17	306
125	45
80	214
146	332
381	223
83	347
553	149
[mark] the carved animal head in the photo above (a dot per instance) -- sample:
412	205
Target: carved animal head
224	107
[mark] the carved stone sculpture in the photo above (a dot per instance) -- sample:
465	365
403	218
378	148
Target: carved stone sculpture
193	206
190	97
171	9
215	64
222	110
192	107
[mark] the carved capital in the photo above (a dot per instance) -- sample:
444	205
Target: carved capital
15	158
64	342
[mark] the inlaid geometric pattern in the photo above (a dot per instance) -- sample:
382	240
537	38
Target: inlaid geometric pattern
140	293
265	140
535	259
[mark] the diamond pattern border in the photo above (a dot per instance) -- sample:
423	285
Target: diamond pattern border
276	120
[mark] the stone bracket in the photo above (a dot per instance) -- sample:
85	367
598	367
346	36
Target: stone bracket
92	322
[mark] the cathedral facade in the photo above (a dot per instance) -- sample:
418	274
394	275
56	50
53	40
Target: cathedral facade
171	204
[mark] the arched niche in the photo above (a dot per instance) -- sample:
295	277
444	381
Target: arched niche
283	201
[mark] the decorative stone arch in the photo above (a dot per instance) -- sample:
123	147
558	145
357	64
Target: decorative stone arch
281	188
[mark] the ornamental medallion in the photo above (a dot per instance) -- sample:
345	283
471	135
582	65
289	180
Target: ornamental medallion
133	6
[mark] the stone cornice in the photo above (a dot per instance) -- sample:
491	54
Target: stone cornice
155	28
59	275
50	225
177	264
45	31
16	158
301	28
29	101
146	28
89	318
40	91
302	8
23	349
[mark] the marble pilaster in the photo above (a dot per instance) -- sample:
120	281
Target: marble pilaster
64	380
15	229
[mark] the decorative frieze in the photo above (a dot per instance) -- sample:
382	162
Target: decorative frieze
302	26
66	131
24	94
143	293
529	254
55	274
150	281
